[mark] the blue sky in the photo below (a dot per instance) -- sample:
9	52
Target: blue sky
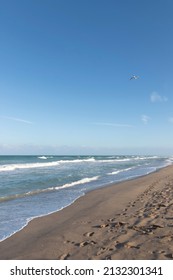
64	77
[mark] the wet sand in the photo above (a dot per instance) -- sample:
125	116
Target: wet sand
129	220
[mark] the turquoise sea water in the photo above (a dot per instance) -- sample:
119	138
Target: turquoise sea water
32	186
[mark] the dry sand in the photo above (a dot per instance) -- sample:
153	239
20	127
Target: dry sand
129	220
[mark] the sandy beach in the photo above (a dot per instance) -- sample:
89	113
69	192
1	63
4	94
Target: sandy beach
128	220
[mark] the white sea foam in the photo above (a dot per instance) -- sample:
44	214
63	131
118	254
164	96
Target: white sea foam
169	161
145	157
42	157
79	182
131	158
115	172
119	171
45	157
68	185
78	160
112	160
12	167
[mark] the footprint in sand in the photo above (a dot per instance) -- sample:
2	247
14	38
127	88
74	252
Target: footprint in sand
119	245
64	256
101	226
85	243
169	256
111	220
108	257
145	229
89	234
101	251
131	246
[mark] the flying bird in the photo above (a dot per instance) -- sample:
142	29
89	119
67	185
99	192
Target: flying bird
134	77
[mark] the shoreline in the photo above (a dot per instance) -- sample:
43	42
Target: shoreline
37	217
99	187
112	222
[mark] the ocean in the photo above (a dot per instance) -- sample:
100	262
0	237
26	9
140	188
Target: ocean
34	186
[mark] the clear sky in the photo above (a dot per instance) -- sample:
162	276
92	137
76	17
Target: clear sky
65	68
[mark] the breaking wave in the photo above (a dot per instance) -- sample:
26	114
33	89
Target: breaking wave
12	167
36	192
119	171
48	162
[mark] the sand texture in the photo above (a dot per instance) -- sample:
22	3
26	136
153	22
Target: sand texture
129	220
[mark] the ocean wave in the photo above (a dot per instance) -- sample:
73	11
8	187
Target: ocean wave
119	171
130	158
145	157
169	161
12	167
78	160
112	160
115	160
53	163
22	195
43	157
39	191
79	182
